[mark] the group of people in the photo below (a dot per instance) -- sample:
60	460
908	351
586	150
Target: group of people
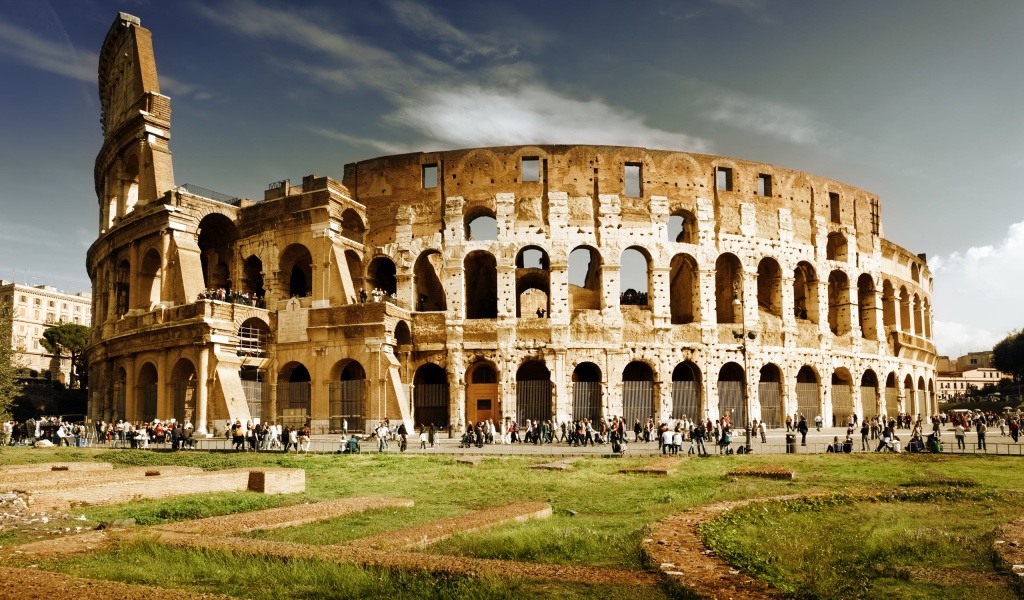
53	429
226	295
138	434
259	436
378	295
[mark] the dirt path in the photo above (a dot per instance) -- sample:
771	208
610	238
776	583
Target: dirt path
424	535
33	584
286	516
1009	546
80	543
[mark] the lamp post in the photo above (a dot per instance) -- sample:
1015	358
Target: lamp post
744	335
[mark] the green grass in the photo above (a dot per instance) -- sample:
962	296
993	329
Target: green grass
612	514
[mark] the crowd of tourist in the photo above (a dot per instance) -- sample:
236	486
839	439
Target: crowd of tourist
226	295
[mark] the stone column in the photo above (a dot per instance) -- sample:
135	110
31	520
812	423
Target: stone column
130	402
203	390
162	377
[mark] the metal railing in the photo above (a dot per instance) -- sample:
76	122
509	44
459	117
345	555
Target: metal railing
196	190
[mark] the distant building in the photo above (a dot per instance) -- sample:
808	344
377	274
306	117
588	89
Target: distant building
35	308
955	377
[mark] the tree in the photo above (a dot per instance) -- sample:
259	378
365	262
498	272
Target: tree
10	362
1008	355
68	339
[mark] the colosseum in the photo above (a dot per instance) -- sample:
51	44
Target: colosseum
506	283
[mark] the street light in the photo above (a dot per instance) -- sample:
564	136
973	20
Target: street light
744	335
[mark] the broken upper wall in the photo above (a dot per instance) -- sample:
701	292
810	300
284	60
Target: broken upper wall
421	181
134	164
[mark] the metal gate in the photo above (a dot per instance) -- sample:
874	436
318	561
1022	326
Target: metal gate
842	404
892	402
686	400
347	399
868	402
184	401
808	401
254	397
586	400
293	406
731	403
148	402
430	404
769	394
533	400
638	401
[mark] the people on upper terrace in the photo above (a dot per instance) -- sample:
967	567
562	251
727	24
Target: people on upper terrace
226	295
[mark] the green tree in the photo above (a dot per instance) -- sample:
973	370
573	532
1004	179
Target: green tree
1008	356
10	362
68	339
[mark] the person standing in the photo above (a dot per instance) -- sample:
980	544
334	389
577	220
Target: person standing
982	429
864	431
958	433
802	428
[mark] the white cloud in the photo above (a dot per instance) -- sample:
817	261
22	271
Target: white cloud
781	121
473	115
29	49
382	145
460	45
978	293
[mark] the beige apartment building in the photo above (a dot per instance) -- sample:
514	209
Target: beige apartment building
35	308
956	376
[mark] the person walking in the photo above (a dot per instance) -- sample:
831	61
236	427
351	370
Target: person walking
864	431
803	429
981	430
958	433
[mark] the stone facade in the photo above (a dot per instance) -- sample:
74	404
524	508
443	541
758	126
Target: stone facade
503	275
36	308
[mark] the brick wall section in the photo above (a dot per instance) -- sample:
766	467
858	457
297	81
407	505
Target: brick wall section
229	480
56	466
36	482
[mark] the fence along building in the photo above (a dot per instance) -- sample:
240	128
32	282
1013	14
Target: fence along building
514	282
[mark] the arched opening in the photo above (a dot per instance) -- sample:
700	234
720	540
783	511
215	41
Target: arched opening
430	294
252	278
430	396
130	186
586	392
638	398
769	395
122	287
682	227
888	305
769	287
869	394
918	316
634	277
835	248
252	385
920	399
253	338
380	275
867	307
927	320
348	396
909	397
805	293
533	282
293	390
183	390
892	396
839	303
150	280
732	402
904	310
481	272
915	272
217	236
808	393
145	393
481	225
533	392
842	397
933	406
355	270
403	336
297	271
684	291
584	279
728	289
120	394
352	226
482	400
686	391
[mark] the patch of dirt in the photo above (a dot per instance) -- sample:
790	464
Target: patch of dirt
1009	546
764	471
422	536
559	465
286	516
32	584
661	466
945	576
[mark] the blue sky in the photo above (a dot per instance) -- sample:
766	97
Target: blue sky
917	101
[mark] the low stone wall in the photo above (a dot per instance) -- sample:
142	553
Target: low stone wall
32	483
9	471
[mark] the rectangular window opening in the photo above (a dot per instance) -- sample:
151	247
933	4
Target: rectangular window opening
833	206
429	176
531	169
631	177
764	185
723	179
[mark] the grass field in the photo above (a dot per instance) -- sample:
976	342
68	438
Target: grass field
942	517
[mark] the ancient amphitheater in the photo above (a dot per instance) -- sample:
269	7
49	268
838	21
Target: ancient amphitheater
515	282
